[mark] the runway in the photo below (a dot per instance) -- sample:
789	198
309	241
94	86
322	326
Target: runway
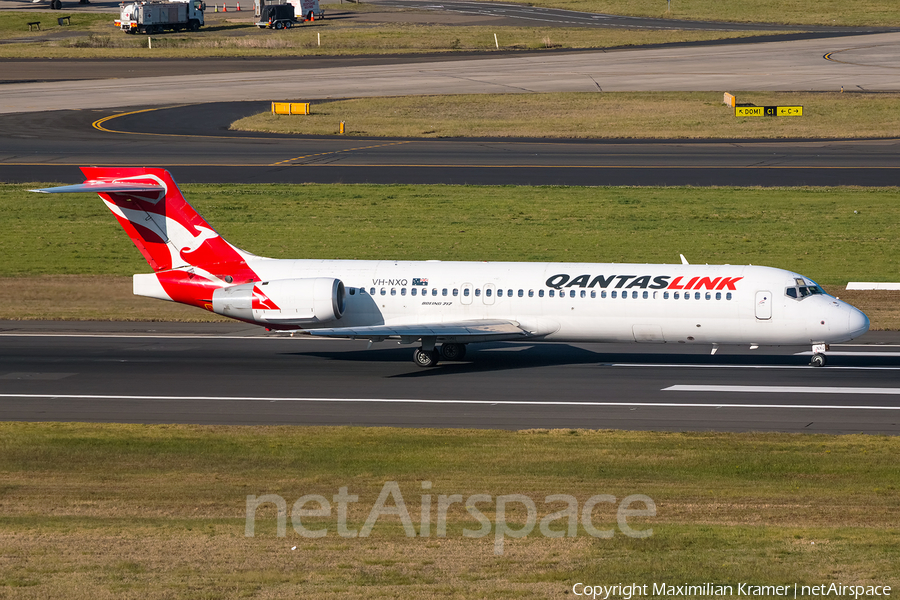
236	374
194	143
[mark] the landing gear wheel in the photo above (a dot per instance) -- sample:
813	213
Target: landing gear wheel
818	360
425	358
453	351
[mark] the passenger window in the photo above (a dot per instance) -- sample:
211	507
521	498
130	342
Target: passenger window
413	291
593	293
372	292
665	295
455	292
540	293
465	292
402	291
499	293
521	293
509	293
603	294
444	292
393	291
696	295
634	294
434	291
383	292
728	296
613	294
488	292
708	296
583	294
552	293
571	293
477	292
646	295
718	295
531	293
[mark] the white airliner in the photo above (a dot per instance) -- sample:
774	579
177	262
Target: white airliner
443	306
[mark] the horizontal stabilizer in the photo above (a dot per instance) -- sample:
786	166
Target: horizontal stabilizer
109	187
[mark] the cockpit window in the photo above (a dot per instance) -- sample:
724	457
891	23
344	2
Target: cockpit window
800	292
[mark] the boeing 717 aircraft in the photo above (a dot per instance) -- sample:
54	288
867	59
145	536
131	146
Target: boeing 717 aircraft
442	306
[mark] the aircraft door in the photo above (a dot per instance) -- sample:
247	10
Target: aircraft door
488	293
468	292
763	306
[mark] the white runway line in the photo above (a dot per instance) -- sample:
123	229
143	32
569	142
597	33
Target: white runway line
453	401
784	389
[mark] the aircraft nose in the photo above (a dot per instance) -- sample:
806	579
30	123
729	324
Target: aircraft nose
857	322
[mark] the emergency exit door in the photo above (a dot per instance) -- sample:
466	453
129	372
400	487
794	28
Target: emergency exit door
763	305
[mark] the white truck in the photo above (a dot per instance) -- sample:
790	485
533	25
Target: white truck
277	14
156	17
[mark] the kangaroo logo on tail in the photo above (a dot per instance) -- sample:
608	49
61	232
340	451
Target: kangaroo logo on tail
189	258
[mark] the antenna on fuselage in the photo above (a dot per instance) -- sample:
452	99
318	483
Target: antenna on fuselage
684	261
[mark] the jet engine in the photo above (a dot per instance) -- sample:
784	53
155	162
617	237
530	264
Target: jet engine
282	301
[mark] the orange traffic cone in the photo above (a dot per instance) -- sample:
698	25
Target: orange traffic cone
224	7
239	7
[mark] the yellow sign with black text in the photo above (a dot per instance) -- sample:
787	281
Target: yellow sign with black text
768	111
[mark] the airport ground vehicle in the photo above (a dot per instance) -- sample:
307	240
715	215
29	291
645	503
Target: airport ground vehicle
156	17
286	14
458	303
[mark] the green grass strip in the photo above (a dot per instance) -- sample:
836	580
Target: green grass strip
666	115
833	235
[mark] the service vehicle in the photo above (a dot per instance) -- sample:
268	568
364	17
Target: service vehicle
156	17
283	14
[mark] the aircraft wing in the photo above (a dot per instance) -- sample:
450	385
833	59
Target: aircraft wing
459	332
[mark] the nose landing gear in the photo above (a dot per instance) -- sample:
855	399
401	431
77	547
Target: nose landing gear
818	358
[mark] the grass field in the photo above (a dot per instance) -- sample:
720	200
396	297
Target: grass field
238	36
674	115
130	511
73	260
809	12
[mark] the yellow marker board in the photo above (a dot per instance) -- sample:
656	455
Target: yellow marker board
290	108
790	111
768	111
749	111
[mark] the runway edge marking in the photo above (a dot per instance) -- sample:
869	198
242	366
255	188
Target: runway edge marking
452	401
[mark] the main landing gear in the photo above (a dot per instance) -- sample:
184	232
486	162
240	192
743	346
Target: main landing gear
818	358
430	358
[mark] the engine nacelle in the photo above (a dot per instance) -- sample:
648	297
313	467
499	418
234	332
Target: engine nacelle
283	301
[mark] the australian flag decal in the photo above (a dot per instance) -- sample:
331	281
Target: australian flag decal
420	281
